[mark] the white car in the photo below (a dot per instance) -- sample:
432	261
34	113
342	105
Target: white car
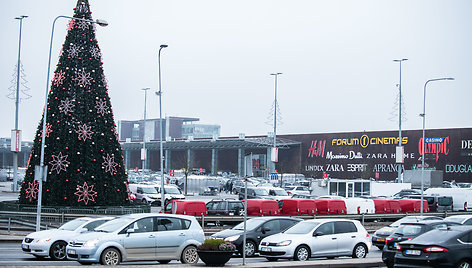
170	192
53	242
291	190
318	238
145	193
139	237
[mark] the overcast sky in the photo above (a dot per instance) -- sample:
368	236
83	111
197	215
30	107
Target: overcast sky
336	58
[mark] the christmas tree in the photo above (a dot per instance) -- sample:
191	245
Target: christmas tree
82	152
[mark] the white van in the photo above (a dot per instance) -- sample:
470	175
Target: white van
461	197
171	192
145	193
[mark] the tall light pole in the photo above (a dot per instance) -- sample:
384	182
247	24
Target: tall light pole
42	170
17	105
159	93
144	153
400	122
422	143
276	75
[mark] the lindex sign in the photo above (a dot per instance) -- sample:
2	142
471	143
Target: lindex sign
372	154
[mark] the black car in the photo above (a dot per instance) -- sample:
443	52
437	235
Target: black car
379	237
256	230
406	192
227	207
451	247
407	231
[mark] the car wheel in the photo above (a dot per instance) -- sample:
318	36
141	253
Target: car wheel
110	256
271	259
360	251
144	201
164	262
250	248
189	255
464	264
57	252
302	253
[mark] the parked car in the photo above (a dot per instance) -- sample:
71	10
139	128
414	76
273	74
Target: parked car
171	192
413	205
295	206
406	192
145	193
254	193
52	243
275	193
186	207
387	206
145	236
461	219
330	206
436	203
227	207
407	231
449	247
378	238
256	230
291	190
304	196
318	238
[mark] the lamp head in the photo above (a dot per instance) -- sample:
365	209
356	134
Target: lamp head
102	23
21	17
164	46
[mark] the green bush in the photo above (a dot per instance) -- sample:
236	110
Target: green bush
217	245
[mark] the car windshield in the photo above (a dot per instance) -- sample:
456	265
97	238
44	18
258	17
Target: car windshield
73	224
409	230
171	190
454	219
279	192
259	191
149	190
113	225
250	224
403	220
303	227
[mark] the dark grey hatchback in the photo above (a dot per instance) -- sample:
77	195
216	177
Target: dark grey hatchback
451	247
256	230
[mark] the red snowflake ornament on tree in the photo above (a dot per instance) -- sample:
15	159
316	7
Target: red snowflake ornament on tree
84	132
83	78
66	106
85	193
48	130
109	164
32	190
59	163
101	107
59	78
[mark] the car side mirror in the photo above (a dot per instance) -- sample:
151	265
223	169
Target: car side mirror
318	234
265	230
83	230
130	231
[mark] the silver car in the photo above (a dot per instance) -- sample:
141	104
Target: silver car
139	237
53	242
318	238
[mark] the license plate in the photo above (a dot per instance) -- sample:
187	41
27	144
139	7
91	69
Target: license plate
266	249
71	251
412	252
381	239
25	246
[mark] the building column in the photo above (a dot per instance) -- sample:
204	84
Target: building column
214	161
127	159
190	159
167	160
241	162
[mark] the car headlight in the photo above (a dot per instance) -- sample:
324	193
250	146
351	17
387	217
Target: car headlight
284	243
91	243
42	240
232	238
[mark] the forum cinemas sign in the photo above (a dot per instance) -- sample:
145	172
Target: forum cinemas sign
364	141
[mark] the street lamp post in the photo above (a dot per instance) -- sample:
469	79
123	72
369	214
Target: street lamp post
43	169
422	143
144	153
400	119
275	116
159	93
17	105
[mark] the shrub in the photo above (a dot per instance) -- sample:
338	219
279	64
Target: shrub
217	245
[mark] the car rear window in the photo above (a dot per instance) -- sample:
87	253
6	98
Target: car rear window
445	201
409	229
341	227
